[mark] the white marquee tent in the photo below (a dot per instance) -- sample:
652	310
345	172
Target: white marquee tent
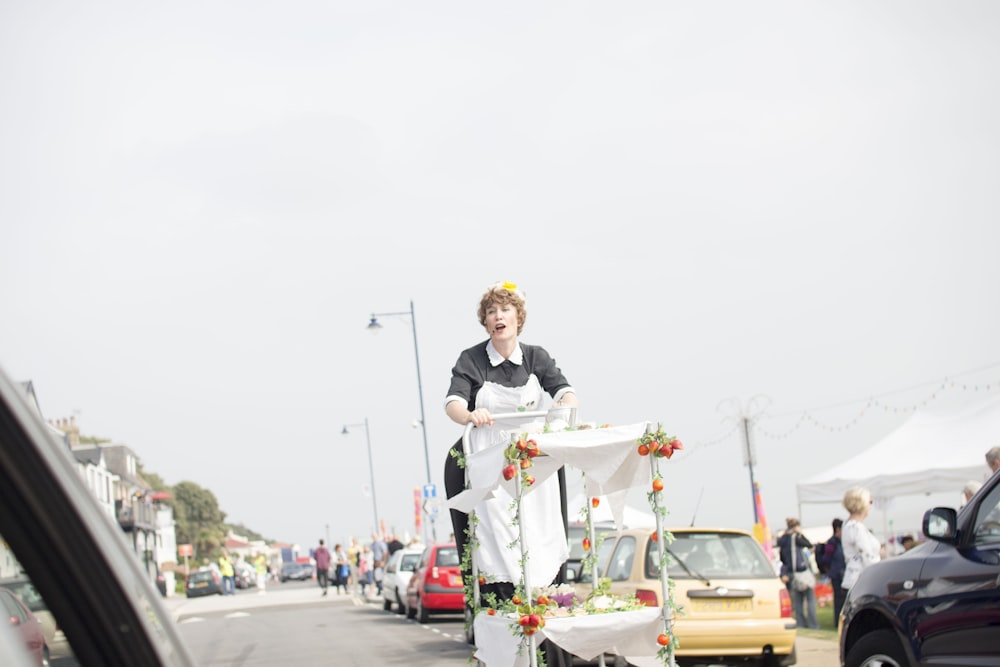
935	450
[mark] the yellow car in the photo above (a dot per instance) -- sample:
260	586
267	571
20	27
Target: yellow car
731	605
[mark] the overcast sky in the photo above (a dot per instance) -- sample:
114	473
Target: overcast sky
202	204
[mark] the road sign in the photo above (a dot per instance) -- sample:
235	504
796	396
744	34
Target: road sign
430	491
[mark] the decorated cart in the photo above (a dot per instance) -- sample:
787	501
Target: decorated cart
613	460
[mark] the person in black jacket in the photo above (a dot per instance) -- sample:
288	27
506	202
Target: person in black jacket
794	563
830	560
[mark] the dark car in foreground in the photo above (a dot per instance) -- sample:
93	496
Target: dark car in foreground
94	586
937	604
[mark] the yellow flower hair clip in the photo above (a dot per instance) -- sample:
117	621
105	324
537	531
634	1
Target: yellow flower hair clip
508	286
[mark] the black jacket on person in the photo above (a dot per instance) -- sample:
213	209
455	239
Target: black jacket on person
801	555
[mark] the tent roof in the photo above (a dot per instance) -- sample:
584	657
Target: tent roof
932	451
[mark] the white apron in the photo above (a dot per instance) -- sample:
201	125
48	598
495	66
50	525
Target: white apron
498	556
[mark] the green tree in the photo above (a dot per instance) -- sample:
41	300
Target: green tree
199	521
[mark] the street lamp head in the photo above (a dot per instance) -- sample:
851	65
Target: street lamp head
374	325
344	431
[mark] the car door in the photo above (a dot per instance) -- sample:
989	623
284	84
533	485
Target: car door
958	602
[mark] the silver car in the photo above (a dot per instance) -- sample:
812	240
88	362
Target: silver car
397	575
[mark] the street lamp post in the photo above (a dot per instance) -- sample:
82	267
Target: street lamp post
374	325
371	469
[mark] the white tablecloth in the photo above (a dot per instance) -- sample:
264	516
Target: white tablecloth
607	457
628	633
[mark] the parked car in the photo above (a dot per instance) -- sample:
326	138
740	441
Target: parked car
161	583
28	627
89	577
398	572
295	572
575	535
244	574
936	604
436	585
206	581
25	590
732	605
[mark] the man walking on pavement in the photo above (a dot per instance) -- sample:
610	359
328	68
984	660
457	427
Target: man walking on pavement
322	556
380	552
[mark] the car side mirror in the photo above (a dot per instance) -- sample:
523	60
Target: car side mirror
941	524
570	575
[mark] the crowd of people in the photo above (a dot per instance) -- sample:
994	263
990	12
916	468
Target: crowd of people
357	569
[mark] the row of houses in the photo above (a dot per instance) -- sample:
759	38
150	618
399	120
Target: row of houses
110	471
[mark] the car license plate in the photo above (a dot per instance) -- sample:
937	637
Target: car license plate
723	605
456	580
201	584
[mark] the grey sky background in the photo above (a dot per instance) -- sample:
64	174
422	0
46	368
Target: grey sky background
201	204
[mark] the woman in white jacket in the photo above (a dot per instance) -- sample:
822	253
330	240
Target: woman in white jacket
861	548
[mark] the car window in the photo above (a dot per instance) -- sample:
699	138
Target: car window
446	557
987	524
25	590
621	561
605	545
710	554
409	563
14	610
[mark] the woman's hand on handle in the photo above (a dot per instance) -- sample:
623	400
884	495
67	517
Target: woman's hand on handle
461	415
480	417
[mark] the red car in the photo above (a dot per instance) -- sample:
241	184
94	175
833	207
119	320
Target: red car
29	627
436	585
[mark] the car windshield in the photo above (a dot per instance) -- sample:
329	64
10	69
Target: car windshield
200	576
605	544
710	554
446	557
25	590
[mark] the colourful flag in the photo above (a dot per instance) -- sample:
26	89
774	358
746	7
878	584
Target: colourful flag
760	529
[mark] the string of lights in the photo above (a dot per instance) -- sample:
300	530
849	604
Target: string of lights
935	388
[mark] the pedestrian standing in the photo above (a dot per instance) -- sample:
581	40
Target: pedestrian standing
380	552
365	569
322	557
861	548
794	548
993	459
342	572
228	574
260	566
353	554
831	563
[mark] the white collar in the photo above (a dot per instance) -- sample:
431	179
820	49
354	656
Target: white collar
516	357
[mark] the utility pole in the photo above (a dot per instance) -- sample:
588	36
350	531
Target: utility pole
749	458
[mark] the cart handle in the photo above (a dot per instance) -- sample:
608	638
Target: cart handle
504	416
